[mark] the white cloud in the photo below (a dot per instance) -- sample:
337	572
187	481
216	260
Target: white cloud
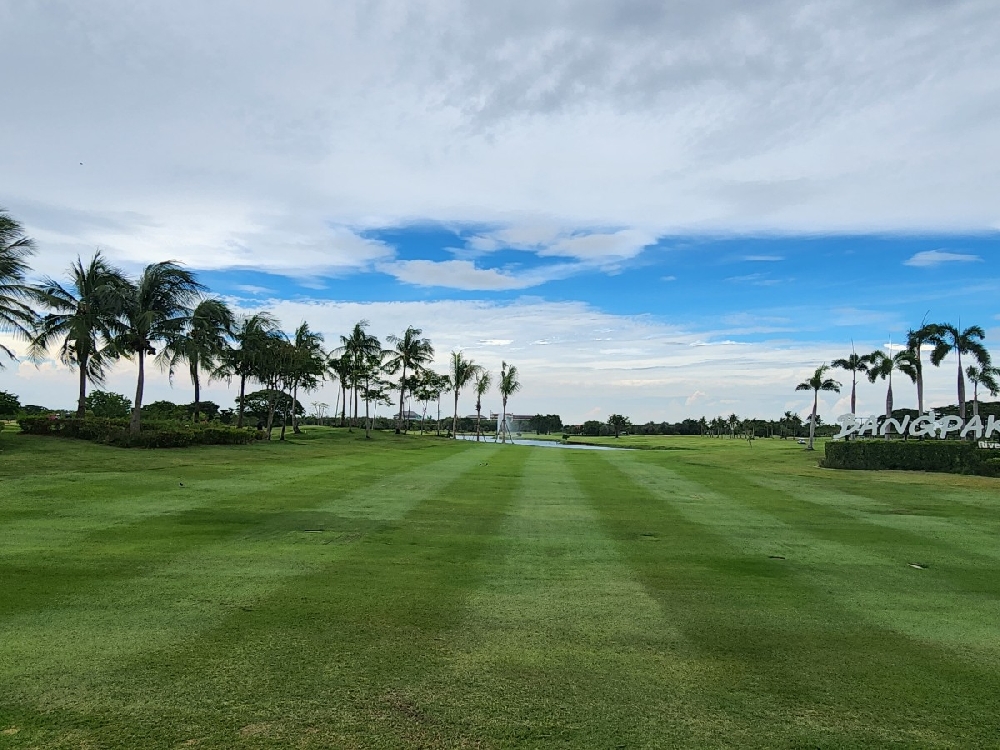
694	397
230	136
463	274
931	258
762	258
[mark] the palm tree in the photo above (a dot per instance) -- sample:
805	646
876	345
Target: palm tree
463	371
201	343
915	339
950	338
340	367
84	316
240	360
409	352
358	348
308	367
986	376
818	382
882	365
508	386
15	314
154	308
854	364
483	382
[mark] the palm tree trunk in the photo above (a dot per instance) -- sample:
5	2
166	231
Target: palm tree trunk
197	396
368	430
854	390
243	394
888	405
81	404
920	384
812	419
961	387
295	400
975	399
134	425
454	419
479	420
503	422
284	421
402	392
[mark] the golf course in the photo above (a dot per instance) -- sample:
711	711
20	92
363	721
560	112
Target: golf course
409	591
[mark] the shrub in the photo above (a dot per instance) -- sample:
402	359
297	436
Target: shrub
153	434
950	456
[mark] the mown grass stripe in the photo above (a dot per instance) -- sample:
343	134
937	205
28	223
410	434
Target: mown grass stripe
772	643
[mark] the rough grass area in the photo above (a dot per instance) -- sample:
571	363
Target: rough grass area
414	592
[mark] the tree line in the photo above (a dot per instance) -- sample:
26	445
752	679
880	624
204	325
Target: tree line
98	315
941	339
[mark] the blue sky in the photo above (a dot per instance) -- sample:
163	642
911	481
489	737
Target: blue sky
656	209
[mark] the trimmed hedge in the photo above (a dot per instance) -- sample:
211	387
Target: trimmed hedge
949	456
153	434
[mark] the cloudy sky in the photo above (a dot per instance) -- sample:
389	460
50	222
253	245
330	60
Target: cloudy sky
663	209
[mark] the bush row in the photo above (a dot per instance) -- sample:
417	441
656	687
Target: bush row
152	435
951	456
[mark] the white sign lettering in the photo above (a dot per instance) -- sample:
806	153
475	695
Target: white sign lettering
926	425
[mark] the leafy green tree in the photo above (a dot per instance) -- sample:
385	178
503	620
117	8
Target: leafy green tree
591	428
200	343
463	372
618	424
249	344
16	315
482	386
986	376
818	382
854	364
949	338
10	405
85	317
409	353
155	308
164	411
110	405
259	405
882	365
209	409
430	385
509	385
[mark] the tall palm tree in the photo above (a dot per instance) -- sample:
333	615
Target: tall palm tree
339	366
359	348
240	360
483	382
409	353
308	367
882	365
16	316
915	340
154	308
854	364
85	314
982	375
818	382
949	338
463	371
508	386
201	343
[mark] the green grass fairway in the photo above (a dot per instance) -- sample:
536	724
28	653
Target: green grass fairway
415	592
